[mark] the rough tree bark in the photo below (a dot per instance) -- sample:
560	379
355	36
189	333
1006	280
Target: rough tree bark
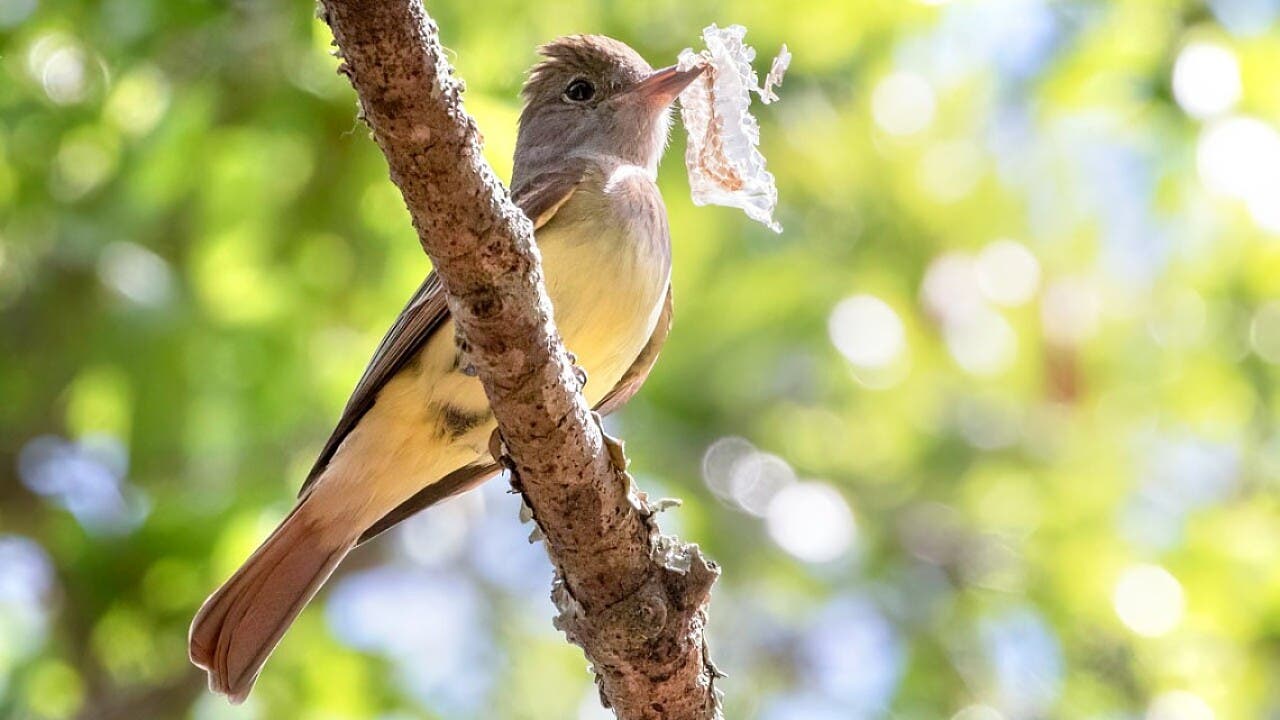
633	599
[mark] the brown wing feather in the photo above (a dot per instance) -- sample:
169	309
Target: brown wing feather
542	195
425	312
455	483
539	198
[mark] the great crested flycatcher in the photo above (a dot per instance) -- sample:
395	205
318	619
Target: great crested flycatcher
416	429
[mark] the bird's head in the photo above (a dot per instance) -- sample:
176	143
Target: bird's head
595	95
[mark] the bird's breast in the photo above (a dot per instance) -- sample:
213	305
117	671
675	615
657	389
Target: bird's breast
606	257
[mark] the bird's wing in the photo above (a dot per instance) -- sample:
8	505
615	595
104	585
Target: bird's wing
455	483
422	316
635	375
539	198
543	194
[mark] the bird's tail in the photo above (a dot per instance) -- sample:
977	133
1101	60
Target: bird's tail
241	623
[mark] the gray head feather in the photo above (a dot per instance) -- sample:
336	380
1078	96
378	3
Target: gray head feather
557	124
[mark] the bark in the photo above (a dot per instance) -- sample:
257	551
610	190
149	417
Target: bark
634	600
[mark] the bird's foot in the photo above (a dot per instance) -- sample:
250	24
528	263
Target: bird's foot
578	373
612	445
462	357
498	449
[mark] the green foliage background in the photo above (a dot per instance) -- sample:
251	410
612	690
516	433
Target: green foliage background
1066	510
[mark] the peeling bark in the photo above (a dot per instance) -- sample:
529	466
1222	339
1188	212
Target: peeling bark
633	599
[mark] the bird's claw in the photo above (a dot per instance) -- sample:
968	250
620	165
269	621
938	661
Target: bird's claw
463	358
612	445
498	449
578	373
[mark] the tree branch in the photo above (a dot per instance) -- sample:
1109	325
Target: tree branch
634	600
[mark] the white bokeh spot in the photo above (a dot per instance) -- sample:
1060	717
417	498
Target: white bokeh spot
903	104
1179	705
867	332
1008	273
1148	600
811	521
1206	79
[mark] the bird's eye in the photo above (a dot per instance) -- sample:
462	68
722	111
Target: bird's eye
580	91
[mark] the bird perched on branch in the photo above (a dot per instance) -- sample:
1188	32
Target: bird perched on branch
594	125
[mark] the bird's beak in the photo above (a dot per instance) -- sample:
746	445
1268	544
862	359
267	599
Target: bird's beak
662	87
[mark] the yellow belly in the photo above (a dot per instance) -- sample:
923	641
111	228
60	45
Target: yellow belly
605	308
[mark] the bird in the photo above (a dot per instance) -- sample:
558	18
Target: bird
594	125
